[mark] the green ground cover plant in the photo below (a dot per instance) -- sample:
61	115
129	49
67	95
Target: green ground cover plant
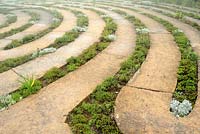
193	15
95	113
185	20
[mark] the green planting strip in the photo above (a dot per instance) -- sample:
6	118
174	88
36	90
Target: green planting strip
195	16
82	24
182	7
95	114
82	21
34	17
179	17
31	86
31	37
187	78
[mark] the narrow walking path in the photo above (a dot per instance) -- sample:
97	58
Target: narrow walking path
43	23
34	114
69	21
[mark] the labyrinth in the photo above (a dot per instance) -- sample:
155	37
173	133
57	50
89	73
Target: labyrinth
99	67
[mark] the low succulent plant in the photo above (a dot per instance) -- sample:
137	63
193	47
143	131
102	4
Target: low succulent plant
180	109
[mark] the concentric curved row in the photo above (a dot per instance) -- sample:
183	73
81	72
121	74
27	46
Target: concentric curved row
142	101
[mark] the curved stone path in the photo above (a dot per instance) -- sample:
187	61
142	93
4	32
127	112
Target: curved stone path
143	105
43	23
22	19
69	21
45	112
